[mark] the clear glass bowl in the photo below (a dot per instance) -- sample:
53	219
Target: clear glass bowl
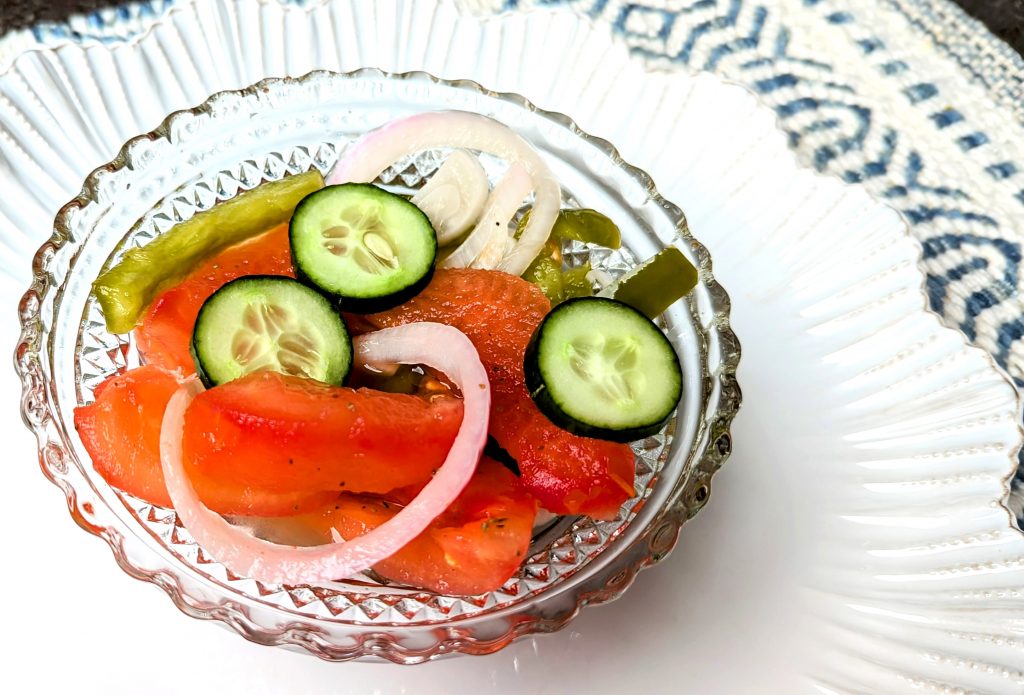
237	140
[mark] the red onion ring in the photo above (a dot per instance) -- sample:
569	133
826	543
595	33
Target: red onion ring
441	347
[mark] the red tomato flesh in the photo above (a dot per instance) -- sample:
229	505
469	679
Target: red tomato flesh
267	444
281	433
121	432
473	548
499	313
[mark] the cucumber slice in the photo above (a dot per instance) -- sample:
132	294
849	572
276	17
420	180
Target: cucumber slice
366	246
266	322
129	287
599	368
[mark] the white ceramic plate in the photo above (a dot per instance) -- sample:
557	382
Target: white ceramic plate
856	540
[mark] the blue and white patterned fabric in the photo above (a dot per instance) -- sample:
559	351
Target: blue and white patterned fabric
888	94
910	98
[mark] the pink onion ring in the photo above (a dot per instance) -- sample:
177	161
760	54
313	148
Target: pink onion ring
378	149
441	347
486	243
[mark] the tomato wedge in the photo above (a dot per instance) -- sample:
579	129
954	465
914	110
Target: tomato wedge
286	434
473	548
499	313
267	444
165	331
121	432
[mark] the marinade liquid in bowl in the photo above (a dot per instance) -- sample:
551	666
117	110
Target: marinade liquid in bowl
238	140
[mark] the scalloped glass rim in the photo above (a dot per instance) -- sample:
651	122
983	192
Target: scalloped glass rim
632	547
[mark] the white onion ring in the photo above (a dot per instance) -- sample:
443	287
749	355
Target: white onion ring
441	347
487	242
378	149
454	197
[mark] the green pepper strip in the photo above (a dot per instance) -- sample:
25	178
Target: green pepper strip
125	290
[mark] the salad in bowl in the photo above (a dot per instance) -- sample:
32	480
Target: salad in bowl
378	365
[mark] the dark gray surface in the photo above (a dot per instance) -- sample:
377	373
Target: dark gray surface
1004	17
18	14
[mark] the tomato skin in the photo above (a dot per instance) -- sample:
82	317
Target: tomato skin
165	331
121	432
281	433
499	313
473	548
